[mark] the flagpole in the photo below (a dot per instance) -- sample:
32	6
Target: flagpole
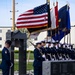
58	34
67	38
64	38
69	35
55	16
48	1
13	15
58	24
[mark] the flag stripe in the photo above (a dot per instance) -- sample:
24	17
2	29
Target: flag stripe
32	16
42	18
29	24
32	26
34	21
26	14
30	12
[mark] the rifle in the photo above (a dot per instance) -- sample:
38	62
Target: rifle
33	44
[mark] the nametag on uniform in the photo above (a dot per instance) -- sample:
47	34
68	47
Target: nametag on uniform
5	52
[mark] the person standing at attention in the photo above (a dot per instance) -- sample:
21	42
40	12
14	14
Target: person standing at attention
6	63
38	59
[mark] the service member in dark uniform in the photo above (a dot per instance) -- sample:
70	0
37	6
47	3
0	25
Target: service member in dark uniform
6	63
43	44
48	50
38	59
44	49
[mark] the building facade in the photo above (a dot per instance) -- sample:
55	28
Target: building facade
3	31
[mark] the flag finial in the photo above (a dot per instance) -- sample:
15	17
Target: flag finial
68	4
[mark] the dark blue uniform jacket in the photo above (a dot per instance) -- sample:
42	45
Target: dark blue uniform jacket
37	58
5	59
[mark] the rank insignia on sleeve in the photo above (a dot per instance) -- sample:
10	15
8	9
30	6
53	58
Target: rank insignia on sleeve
5	52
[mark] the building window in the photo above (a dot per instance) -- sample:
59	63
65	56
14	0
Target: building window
0	46
0	31
0	38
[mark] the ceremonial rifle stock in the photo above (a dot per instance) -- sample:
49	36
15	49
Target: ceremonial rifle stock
33	44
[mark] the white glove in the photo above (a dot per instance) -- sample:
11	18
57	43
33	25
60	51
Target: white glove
43	56
46	59
11	64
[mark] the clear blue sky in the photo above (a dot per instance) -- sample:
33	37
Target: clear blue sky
23	5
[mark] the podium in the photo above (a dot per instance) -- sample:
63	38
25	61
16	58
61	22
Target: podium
61	67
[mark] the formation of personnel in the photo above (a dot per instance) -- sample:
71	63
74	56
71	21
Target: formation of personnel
48	51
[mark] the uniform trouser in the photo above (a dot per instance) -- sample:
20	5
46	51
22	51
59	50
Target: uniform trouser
5	71
37	70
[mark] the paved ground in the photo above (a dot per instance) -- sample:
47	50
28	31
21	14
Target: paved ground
28	72
16	73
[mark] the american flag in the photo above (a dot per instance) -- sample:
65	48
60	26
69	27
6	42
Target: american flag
34	18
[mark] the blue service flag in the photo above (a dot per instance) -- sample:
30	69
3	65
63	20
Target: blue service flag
64	18
58	36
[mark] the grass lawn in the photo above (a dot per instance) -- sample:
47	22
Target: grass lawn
31	56
29	66
16	67
0	55
16	55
